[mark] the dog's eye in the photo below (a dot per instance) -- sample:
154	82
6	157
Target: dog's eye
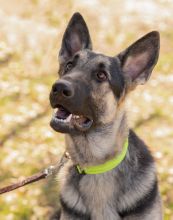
69	66
102	76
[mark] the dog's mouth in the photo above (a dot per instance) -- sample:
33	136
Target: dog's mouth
64	121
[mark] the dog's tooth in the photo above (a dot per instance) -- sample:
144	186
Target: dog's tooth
69	118
56	119
76	116
66	120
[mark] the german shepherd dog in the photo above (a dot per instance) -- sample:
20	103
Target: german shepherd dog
89	101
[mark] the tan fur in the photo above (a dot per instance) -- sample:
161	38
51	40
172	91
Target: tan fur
100	146
100	192
110	106
70	195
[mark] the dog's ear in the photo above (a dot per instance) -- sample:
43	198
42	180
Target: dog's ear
76	37
138	60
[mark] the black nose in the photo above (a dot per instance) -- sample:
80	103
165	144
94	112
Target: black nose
63	88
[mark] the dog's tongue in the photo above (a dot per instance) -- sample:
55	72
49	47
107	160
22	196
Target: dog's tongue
62	113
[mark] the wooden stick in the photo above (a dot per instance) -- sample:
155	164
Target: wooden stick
28	180
38	176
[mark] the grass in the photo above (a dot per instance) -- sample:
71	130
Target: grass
31	34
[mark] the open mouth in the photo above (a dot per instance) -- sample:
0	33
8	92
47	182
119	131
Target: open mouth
63	120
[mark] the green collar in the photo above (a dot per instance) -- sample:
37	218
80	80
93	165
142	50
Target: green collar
108	165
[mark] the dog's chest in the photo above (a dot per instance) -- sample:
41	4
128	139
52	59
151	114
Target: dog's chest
100	192
94	194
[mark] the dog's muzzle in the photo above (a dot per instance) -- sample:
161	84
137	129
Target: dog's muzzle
67	117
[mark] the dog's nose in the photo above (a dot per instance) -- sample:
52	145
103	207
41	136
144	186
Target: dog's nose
63	88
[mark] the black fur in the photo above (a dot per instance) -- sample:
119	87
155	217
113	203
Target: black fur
143	204
71	211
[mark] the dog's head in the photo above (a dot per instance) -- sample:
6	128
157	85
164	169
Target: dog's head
91	86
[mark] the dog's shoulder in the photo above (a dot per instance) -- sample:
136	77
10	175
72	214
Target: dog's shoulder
142	151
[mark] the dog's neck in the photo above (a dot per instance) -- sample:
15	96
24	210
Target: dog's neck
99	145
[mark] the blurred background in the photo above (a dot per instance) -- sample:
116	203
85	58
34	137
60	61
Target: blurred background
30	36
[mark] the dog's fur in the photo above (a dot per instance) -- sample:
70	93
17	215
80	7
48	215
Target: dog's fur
129	191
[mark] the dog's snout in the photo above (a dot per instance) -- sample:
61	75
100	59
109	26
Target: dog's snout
63	88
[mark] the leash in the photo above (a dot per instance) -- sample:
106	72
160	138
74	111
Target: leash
54	169
51	170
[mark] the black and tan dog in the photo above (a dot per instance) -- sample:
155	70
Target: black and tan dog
111	174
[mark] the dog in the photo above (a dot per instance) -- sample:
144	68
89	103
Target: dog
111	174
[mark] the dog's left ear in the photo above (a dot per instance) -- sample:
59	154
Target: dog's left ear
76	37
138	60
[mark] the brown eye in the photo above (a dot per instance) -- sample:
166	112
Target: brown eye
102	76
69	66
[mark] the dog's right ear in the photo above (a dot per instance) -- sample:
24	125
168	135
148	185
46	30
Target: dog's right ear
76	38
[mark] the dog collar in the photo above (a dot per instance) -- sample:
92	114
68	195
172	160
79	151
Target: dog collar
107	166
